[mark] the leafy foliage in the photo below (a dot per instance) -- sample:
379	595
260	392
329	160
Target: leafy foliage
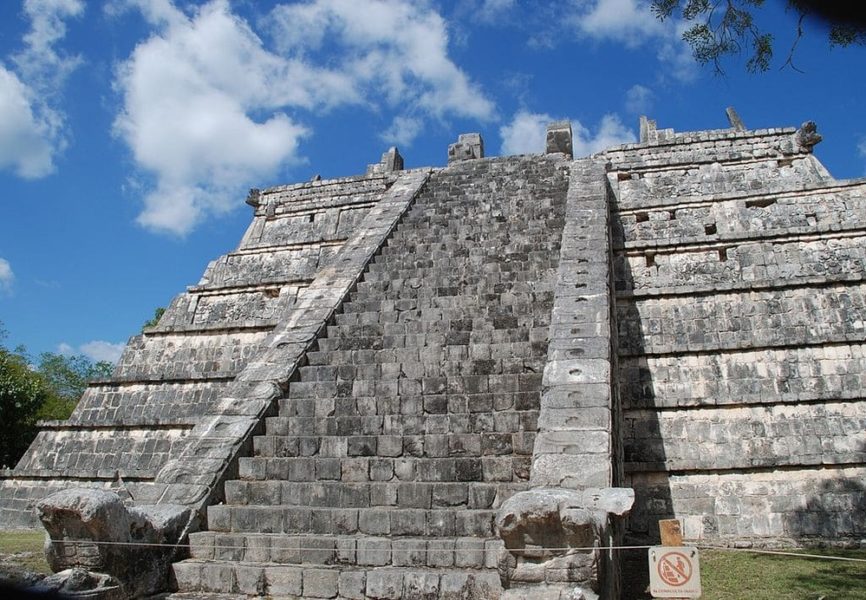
67	376
153	321
721	28
28	393
22	394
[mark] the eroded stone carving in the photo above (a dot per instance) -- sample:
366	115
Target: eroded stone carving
253	197
468	146
807	136
95	531
79	583
559	138
552	536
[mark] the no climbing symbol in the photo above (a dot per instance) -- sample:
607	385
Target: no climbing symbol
674	572
675	568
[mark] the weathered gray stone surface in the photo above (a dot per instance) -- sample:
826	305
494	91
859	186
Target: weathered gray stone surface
551	536
93	530
559	139
387	361
469	146
78	583
740	324
415	418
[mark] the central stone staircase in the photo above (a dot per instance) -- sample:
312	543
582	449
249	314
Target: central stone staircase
415	418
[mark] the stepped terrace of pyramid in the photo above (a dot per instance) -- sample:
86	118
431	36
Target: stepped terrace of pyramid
470	381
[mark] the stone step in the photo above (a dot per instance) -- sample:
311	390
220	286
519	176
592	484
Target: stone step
508	467
360	550
416	283
462	228
474	300
475	244
405	311
464	275
340	582
460	522
500	399
501	362
453	445
413	361
504	421
391	385
454	331
445	259
507	300
425	340
336	494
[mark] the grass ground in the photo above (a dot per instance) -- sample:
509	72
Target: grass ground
23	549
726	575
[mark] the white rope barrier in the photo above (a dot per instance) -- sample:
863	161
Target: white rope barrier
802	554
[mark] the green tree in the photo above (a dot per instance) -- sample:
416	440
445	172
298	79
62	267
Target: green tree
153	321
67	378
30	393
22	393
721	28
68	375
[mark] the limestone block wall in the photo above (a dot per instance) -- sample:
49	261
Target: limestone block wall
741	324
124	403
173	374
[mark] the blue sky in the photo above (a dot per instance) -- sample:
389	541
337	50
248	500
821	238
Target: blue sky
130	130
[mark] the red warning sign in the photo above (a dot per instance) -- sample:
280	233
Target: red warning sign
675	568
674	572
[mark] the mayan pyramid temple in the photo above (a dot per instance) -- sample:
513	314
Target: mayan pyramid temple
477	381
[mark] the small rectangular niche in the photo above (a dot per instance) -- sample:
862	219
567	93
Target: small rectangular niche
760	203
710	229
650	258
641	217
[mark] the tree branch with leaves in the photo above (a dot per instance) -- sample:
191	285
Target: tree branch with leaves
722	28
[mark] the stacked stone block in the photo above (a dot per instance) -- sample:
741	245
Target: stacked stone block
170	377
399	383
415	417
739	266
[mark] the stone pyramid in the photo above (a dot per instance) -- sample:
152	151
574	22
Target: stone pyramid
454	382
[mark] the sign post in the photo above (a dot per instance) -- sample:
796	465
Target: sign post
674	569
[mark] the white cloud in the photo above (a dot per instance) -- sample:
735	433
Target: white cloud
28	131
638	99
861	147
610	132
626	21
189	93
492	11
205	102
403	131
31	127
99	350
40	63
398	49
632	24
7	277
527	133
